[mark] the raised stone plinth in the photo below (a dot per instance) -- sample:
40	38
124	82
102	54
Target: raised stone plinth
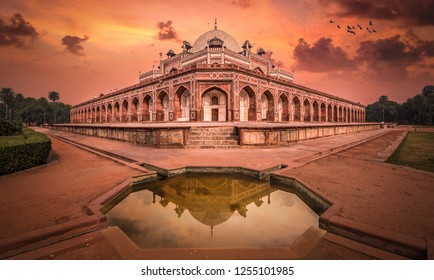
214	135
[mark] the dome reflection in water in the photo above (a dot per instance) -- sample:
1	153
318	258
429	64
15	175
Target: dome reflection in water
217	210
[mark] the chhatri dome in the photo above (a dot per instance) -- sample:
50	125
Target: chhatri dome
228	41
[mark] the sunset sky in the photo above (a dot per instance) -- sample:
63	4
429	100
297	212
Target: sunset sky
83	48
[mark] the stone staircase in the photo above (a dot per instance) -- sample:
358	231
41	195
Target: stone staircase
213	137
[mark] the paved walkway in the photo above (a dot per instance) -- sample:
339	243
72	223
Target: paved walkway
293	155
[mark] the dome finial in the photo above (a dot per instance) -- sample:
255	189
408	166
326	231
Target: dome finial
215	24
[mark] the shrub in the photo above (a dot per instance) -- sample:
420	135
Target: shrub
20	152
7	128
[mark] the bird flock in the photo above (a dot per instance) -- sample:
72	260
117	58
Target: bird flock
351	29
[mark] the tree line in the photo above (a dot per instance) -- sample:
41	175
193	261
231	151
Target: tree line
19	109
416	110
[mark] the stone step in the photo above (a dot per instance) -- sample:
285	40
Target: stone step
213	130
213	138
212	146
212	142
212	133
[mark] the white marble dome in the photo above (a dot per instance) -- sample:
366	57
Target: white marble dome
228	41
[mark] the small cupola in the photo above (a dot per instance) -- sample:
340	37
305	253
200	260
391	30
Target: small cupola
261	52
170	53
215	42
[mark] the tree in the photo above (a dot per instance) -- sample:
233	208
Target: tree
383	100
418	102
7	96
428	92
43	103
54	96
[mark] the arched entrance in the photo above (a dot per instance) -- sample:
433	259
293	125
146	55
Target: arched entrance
315	111
124	111
282	108
306	105
323	112
104	114
163	107
147	108
214	105
247	104
182	104
109	113
98	115
329	113
117	116
267	109
134	107
297	105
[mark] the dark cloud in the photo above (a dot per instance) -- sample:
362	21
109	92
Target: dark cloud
384	58
16	32
243	3
393	57
73	44
415	12
390	50
322	56
167	32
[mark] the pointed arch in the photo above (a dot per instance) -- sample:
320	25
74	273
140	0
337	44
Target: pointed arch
335	114
116	109
340	114
316	113
182	104
323	112
306	110
103	114
109	113
282	108
98	115
124	111
162	107
247	104
297	109
267	106
329	113
214	105
134	109
147	108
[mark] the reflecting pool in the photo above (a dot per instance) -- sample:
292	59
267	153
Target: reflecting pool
212	211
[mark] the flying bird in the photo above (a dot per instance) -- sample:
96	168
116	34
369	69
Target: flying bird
331	21
373	30
370	22
351	31
338	26
359	27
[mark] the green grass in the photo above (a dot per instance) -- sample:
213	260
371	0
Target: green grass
416	151
28	136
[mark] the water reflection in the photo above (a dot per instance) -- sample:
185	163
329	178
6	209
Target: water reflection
193	210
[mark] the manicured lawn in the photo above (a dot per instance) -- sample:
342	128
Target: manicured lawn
416	150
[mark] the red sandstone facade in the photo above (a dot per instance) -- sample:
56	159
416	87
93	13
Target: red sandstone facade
217	81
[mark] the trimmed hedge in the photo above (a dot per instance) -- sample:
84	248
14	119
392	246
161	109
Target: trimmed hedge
7	128
20	152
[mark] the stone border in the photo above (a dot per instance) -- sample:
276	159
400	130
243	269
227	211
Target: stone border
212	169
396	243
